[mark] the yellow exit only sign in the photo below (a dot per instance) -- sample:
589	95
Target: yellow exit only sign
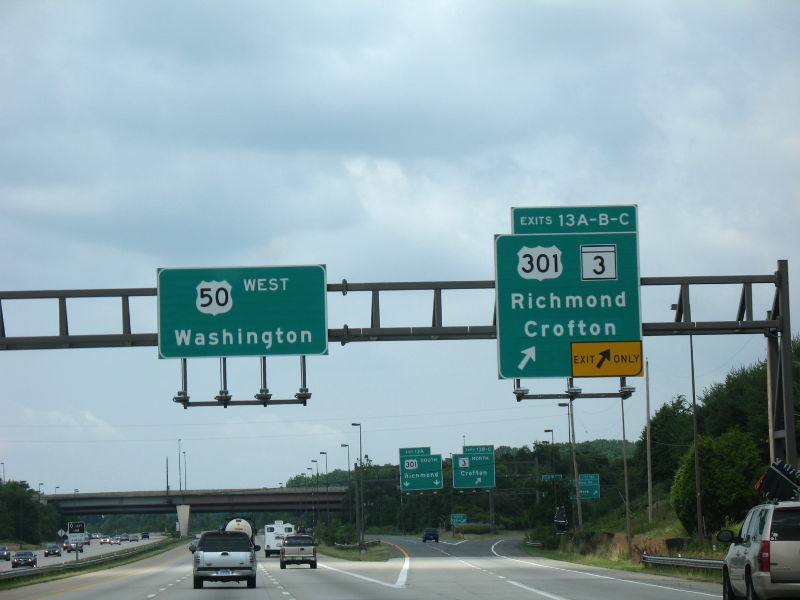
607	359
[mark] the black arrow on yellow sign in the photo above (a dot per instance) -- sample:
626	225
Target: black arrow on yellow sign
608	358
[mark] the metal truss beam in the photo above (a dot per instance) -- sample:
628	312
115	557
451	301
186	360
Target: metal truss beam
775	327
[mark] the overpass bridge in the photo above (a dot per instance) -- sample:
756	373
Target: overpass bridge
201	501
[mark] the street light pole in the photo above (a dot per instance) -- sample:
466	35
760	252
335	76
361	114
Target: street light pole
179	465
348	468
574	461
552	465
360	489
316	490
55	491
327	509
185	480
313	501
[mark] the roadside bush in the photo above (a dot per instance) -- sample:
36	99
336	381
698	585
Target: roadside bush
546	535
472	528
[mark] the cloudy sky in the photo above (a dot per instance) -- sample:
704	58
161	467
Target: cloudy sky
387	141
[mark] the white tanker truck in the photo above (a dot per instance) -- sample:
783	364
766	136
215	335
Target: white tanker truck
240	524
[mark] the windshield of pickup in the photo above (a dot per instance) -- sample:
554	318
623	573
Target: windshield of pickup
299	540
225	542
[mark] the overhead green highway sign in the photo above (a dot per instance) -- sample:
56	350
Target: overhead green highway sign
567	275
478	449
421	472
472	470
589	484
242	311
421	451
458	518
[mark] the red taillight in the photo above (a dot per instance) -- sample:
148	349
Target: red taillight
315	553
763	557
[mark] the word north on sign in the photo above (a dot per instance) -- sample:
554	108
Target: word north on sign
242	311
567	275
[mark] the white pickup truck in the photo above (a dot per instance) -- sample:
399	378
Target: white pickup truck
298	550
225	556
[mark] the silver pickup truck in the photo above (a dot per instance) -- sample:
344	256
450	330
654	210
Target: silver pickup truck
225	556
298	550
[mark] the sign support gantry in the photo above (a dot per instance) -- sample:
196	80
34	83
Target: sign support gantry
776	327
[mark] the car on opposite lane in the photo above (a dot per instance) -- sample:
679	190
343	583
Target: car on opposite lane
430	533
52	550
5	553
23	558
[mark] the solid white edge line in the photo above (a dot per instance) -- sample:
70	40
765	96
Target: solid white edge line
401	578
631	581
536	591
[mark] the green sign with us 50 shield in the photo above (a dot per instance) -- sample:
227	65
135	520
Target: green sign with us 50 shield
242	311
571	277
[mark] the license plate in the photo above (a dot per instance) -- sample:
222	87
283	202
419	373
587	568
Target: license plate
224	571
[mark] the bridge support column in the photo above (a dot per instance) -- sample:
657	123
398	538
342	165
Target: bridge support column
183	518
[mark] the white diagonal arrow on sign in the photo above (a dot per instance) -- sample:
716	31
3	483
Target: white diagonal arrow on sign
530	355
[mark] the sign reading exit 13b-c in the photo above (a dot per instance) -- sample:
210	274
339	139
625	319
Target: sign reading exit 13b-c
567	275
242	311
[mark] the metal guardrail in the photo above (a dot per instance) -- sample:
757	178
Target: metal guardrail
354	546
673	561
67	566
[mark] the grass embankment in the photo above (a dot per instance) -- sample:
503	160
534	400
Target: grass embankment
373	553
650	536
36	576
605	560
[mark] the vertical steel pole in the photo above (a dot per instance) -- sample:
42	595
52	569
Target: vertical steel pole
789	428
628	529
699	503
575	463
649	456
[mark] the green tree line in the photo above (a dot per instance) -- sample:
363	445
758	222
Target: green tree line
733	446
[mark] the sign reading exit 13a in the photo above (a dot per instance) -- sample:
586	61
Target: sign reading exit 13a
573	276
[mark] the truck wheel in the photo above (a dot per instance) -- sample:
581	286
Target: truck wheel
750	592
251	582
198	583
283	565
313	565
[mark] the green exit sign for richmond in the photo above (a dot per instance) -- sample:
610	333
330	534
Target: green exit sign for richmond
242	311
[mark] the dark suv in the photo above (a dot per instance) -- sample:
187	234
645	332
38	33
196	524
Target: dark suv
430	534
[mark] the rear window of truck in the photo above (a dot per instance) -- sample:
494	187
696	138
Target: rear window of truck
299	540
225	543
